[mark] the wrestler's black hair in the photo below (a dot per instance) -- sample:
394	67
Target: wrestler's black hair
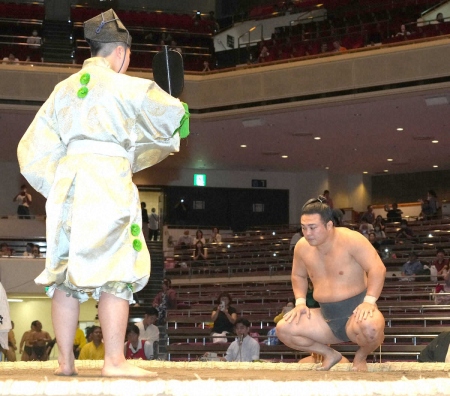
319	206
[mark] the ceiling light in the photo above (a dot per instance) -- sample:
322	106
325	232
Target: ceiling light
243	145
327	167
390	159
435	166
317	138
399	129
284	156
365	172
435	141
385	171
15	300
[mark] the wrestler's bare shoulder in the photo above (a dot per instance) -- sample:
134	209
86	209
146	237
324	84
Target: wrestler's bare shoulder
349	236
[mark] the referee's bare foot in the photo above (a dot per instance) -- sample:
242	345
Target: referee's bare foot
125	369
330	360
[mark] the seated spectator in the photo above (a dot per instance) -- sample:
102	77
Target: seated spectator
79	341
95	349
185	240
34	45
412	267
199	237
147	329
295	238
28	250
434	202
11	59
36	252
380	222
200	252
404	232
224	318
338	217
440	262
324	48
310	301
5	250
215	236
378	229
206	67
440	18
368	216
244	348
426	212
403	32
287	308
166	299
337	47
365	228
136	348
393	215
328	199
263	55
437	350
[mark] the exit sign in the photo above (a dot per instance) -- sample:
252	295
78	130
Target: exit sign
199	179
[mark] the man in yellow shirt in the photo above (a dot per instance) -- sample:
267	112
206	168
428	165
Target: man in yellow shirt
94	350
79	342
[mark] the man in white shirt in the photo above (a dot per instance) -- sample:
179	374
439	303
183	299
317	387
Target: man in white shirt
147	329
245	348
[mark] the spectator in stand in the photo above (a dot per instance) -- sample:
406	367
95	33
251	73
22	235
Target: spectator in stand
440	262
95	349
434	203
185	240
365	228
379	222
426	212
440	18
5	250
24	199
394	214
11	59
153	225
206	67
144	218
244	348
176	47
337	47
135	347
224	318
412	267
200	252
328	199
324	48
263	55
215	236
199	237
368	216
295	238
404	232
437	350
378	229
28	250
403	32
34	47
147	329
166	299
79	341
374	242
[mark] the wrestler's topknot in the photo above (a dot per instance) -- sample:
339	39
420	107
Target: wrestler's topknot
318	206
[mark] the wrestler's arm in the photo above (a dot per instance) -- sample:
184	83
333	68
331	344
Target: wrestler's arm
367	257
299	279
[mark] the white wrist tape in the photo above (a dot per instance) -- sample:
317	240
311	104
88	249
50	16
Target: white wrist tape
370	300
300	300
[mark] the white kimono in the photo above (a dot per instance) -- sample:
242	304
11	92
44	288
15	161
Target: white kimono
81	153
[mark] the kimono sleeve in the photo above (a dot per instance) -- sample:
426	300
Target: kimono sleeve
41	148
160	117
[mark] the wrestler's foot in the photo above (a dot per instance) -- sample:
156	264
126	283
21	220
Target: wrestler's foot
330	360
125	369
359	362
66	370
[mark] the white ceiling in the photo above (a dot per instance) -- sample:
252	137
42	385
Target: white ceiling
356	135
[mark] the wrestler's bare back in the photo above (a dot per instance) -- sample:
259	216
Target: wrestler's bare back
336	261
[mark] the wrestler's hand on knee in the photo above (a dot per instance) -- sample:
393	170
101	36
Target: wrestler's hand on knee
297	312
364	310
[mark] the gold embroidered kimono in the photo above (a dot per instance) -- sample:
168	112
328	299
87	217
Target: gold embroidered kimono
80	153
